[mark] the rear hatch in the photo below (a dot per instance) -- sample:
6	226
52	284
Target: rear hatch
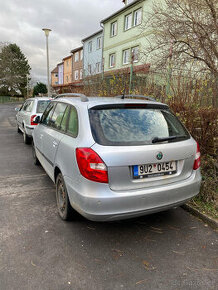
143	145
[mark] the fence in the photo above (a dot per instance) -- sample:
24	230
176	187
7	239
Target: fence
7	99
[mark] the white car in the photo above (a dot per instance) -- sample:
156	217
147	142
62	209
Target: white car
27	113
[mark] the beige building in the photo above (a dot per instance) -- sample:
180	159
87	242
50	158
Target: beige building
54	77
68	69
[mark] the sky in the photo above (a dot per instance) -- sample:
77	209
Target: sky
21	22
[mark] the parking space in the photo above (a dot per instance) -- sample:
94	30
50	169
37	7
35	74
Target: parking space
168	250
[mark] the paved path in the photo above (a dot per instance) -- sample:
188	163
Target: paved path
169	250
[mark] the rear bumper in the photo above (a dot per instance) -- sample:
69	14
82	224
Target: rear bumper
98	202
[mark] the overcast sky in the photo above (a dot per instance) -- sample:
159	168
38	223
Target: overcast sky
21	22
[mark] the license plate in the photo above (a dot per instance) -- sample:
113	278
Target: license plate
155	169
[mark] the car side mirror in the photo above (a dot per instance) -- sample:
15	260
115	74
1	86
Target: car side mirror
17	109
37	120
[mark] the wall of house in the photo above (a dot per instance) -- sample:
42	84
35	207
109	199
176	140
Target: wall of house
54	79
67	70
77	67
60	74
93	57
128	39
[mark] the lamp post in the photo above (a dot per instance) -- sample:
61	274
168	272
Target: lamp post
47	30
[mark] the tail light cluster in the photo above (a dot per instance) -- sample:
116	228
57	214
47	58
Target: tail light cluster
197	162
91	165
32	118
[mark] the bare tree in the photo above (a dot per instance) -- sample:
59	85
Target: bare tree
184	31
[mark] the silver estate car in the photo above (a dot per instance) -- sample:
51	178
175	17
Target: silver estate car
116	158
26	115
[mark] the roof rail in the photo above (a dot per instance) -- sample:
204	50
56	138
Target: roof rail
135	96
82	96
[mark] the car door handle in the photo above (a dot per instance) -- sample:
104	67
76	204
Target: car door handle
54	143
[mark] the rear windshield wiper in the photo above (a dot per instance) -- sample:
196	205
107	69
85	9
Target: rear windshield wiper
157	139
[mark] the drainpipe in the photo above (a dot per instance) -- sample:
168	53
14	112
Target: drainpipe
102	57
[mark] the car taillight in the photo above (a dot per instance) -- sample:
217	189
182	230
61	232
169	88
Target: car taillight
197	162
91	165
32	120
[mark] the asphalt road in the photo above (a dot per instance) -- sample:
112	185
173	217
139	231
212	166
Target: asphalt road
168	250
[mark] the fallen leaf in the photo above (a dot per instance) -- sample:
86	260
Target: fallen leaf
141	281
33	264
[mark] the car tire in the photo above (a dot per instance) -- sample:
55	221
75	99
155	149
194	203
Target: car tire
18	129
26	138
65	210
35	159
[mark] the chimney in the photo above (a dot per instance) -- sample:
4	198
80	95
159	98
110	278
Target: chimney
125	2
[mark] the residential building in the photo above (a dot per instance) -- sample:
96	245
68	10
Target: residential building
77	72
68	69
60	67
54	77
92	51
123	37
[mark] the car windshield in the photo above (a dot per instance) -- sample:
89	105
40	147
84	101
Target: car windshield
138	125
41	106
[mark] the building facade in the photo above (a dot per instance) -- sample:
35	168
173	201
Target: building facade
77	58
92	51
68	69
60	67
54	77
123	37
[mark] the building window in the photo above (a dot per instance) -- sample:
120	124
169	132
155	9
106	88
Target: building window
56	75
81	74
137	17
76	75
90	69
56	83
135	54
67	63
67	79
81	55
126	56
128	21
112	60
76	56
113	28
99	40
90	46
98	67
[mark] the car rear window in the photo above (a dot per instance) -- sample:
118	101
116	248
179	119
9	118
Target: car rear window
41	106
134	125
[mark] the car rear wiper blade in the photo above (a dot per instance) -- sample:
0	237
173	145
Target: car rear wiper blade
157	139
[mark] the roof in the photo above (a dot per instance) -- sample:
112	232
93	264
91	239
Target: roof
92	35
55	70
69	56
94	101
76	49
60	63
121	10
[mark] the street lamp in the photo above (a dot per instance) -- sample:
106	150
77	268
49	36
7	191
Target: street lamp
47	30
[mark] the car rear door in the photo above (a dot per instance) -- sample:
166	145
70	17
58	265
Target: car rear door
52	135
124	142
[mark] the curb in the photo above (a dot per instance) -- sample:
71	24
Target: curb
209	220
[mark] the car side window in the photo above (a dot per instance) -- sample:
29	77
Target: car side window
29	106
47	113
72	128
55	120
63	126
25	105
